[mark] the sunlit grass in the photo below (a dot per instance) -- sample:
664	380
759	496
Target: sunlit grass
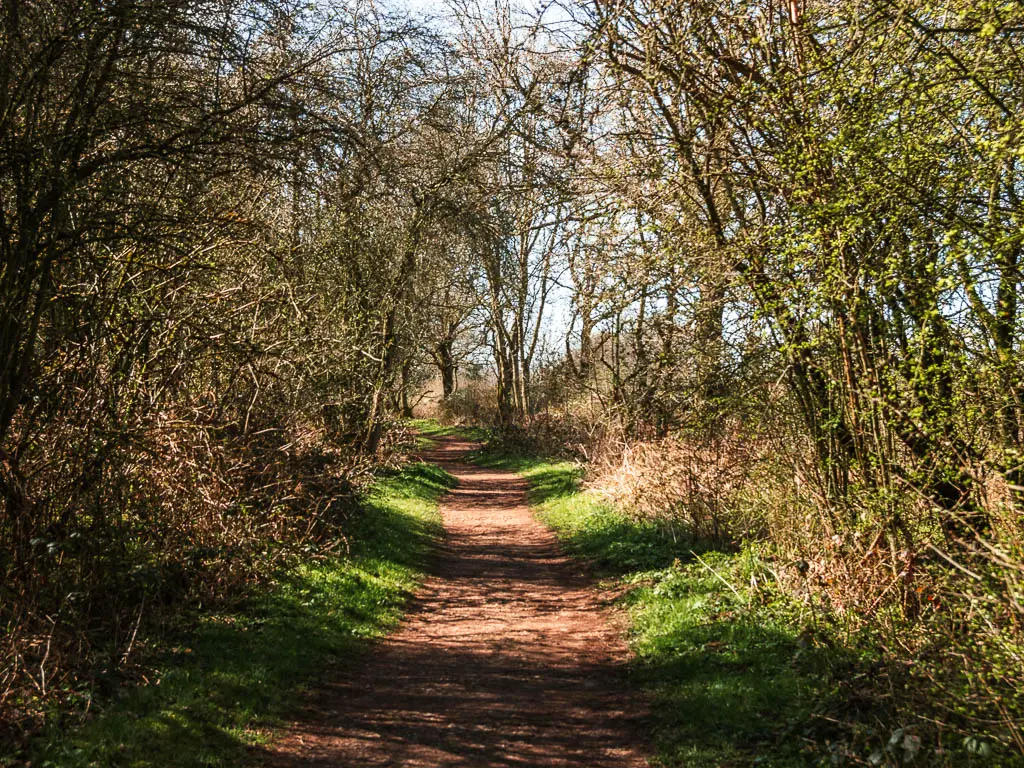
429	429
724	684
221	690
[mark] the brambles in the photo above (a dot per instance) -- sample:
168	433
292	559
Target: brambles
215	228
758	263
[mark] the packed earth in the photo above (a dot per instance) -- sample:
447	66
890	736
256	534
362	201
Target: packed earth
508	655
737	287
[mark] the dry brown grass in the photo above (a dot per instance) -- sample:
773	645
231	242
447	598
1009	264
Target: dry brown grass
472	403
701	486
187	513
941	617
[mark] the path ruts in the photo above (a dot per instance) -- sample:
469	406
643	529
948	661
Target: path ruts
506	658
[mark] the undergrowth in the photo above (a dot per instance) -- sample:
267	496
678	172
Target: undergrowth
216	695
738	672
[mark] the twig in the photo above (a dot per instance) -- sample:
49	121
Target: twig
46	657
135	631
717	575
953	562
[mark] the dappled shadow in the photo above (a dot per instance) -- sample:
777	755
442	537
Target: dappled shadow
731	687
553	483
239	668
477	704
727	688
506	657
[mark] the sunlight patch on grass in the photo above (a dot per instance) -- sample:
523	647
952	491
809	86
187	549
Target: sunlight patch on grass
222	690
428	429
724	686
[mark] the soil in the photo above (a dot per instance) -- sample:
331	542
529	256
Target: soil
508	656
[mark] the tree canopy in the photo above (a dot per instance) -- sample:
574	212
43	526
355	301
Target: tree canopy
240	237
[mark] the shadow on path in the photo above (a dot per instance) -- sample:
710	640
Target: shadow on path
507	656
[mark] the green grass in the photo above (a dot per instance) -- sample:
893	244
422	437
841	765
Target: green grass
428	429
589	529
222	690
725	680
738	675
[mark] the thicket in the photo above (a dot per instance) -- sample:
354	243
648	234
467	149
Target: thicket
794	268
219	691
226	229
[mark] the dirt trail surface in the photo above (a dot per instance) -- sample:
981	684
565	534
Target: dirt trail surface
507	656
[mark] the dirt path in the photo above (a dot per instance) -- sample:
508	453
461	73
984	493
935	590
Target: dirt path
507	657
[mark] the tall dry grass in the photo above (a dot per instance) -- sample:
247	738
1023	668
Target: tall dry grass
876	575
185	513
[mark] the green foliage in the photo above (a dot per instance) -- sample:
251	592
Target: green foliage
739	672
221	689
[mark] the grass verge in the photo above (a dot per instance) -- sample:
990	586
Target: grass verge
733	682
428	429
220	692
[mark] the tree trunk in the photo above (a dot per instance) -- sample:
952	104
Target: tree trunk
445	360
